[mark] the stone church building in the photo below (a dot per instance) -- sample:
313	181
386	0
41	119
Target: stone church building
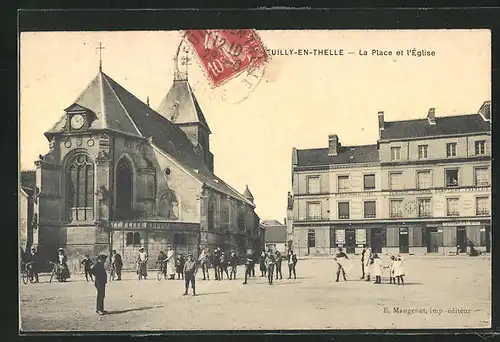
120	175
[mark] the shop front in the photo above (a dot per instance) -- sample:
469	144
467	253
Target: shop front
352	237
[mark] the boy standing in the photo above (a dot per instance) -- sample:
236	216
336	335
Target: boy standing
233	262
190	271
101	278
87	264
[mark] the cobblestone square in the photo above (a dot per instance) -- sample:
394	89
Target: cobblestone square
440	292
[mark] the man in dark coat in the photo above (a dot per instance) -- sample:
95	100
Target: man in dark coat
101	278
87	265
216	262
117	263
249	264
233	263
190	270
32	257
292	262
278	264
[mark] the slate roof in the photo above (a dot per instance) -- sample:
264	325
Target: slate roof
319	156
181	106
275	233
118	109
445	125
28	179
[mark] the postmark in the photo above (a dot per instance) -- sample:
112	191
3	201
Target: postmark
224	54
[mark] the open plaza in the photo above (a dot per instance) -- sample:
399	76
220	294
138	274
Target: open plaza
439	292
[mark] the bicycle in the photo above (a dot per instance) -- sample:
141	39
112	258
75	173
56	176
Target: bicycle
161	267
56	271
26	272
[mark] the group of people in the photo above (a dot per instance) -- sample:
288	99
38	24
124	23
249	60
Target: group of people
270	264
372	266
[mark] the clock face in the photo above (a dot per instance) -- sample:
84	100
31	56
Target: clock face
77	121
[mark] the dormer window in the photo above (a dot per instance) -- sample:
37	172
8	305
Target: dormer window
79	118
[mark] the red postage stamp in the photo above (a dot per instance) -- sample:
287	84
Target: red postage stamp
225	54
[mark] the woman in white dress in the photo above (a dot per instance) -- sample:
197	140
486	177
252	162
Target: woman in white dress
376	270
171	262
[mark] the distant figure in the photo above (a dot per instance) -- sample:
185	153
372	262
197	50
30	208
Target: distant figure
399	270
368	263
216	262
142	261
223	261
101	278
270	261
263	268
278	264
32	257
204	260
179	267
339	257
473	251
233	264
292	262
249	263
190	271
392	278
63	264
365	255
170	262
252	266
377	269
161	263
117	262
87	265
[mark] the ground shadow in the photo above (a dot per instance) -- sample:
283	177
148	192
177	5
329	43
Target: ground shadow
279	283
134	309
210	293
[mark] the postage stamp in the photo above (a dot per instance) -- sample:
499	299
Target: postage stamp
225	54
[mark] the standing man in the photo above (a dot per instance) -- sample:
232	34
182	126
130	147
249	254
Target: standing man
33	258
233	263
87	265
216	262
117	262
278	265
270	261
142	262
342	256
190	271
223	266
249	263
204	262
368	262
363	260
292	262
101	278
171	262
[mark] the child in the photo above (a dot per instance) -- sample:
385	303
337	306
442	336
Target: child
377	269
223	261
87	265
399	271
233	262
101	278
391	270
179	267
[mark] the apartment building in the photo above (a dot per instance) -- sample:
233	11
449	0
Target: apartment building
424	187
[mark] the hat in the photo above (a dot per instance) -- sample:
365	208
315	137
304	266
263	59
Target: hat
114	251
86	255
101	257
32	248
141	249
60	250
190	254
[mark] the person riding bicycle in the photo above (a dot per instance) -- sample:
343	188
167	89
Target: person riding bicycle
32	258
63	264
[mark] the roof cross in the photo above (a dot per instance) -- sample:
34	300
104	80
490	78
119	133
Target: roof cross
100	48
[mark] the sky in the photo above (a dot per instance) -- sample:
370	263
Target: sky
298	102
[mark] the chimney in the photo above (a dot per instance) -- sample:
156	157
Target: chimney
147	101
333	144
431	116
381	121
485	111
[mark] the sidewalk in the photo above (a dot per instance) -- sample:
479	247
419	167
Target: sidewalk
413	256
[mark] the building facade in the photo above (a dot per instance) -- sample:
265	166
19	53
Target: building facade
120	175
425	187
276	235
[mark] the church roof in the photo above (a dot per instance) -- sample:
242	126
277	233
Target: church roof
118	109
248	194
181	106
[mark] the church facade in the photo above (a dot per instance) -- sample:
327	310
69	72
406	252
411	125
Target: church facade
120	175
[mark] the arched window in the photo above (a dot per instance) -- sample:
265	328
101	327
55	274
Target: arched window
124	183
137	239
130	239
80	188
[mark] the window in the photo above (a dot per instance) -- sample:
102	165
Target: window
180	239
80	188
343	183
395	180
452	207
396	207
395	153
482	206
133	239
210	216
451	149
424	180
451	177
343	210
241	217
424	207
313	185
370	209
480	147
369	182
481	176
124	181
313	211
422	151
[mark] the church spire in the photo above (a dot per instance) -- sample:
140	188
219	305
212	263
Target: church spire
181	73
100	48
